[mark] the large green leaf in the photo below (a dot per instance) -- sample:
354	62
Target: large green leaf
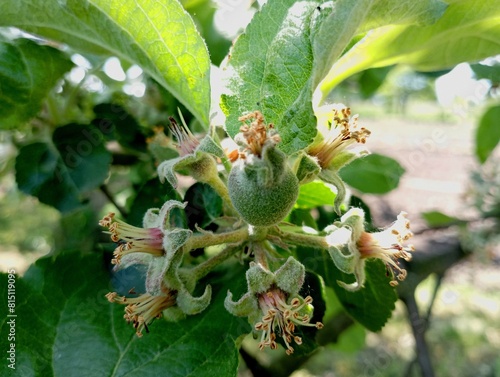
28	71
373	174
287	50
372	305
400	12
59	174
270	70
353	17
157	35
65	327
488	133
468	31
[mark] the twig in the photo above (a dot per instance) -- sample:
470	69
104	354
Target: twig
110	197
418	327
426	322
433	300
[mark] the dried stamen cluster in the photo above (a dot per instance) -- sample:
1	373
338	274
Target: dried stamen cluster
257	134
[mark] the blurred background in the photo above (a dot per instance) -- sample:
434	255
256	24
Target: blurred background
436	125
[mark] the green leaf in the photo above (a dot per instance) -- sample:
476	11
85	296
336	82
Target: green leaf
333	306
488	133
85	157
40	172
28	71
352	340
270	70
370	80
335	28
160	36
302	217
153	194
468	31
121	125
59	174
373	174
314	194
204	205
488	72
203	12
287	50
371	306
349	18
436	219
400	12
354	201
83	334
76	232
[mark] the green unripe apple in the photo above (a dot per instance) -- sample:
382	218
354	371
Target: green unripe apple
263	189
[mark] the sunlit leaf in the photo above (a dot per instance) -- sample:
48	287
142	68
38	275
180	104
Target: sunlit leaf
314	194
468	31
287	50
349	18
160	36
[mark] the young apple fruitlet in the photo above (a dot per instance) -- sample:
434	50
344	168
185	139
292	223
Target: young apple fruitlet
261	185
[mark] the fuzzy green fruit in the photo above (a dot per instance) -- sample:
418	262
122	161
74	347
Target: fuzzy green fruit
263	190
